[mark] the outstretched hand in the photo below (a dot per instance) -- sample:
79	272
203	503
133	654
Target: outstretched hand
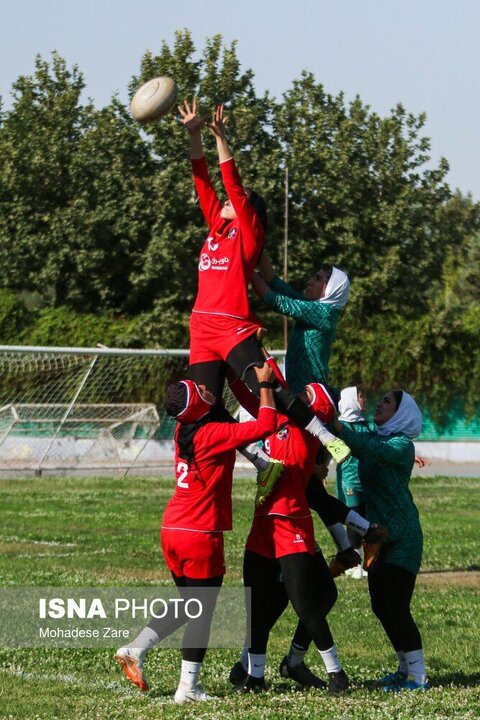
421	461
218	122
190	119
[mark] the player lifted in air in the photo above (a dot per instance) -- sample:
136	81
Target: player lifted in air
223	330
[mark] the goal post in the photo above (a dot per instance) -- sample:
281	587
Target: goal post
86	409
67	409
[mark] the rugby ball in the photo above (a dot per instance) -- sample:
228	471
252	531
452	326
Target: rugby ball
154	99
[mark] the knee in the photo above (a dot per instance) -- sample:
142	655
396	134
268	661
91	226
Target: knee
331	595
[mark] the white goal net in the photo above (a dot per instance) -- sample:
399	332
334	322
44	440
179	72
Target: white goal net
87	409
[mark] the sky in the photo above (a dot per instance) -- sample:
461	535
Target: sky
422	53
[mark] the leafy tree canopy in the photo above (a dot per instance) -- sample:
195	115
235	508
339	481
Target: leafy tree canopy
98	217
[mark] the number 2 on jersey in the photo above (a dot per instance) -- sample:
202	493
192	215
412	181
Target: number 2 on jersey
182	472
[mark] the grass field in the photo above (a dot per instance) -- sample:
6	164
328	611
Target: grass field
95	531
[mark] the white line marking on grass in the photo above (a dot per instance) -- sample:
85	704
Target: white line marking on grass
112	685
53	543
68	679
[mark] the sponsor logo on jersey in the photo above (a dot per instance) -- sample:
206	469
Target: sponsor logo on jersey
209	263
204	263
298	538
283	433
232	233
212	245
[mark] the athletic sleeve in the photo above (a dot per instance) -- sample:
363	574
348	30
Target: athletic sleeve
394	450
221	437
252	229
311	313
209	202
280	286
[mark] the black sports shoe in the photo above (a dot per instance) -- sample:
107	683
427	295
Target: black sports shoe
338	682
301	674
251	685
238	674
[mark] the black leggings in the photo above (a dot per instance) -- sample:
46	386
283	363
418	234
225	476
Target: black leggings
301	578
242	360
330	509
197	632
391	588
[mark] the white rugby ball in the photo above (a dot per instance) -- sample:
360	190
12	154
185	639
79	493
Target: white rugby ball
154	99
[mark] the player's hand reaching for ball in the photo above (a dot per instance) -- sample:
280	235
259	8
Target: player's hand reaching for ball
190	119
218	122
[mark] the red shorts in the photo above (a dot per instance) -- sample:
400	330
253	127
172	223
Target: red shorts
193	554
212	337
274	536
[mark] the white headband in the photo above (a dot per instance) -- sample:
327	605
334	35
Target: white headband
407	419
350	410
337	290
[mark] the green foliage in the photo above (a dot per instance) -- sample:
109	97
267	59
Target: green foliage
98	215
433	357
362	198
14	318
63	327
76	198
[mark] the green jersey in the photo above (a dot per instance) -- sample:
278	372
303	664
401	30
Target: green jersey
349	487
384	466
310	343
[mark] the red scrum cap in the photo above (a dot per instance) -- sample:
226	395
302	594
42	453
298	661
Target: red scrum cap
195	406
322	403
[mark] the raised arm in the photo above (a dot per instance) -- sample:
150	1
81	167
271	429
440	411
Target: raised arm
312	313
193	124
217	126
253	232
208	198
265	267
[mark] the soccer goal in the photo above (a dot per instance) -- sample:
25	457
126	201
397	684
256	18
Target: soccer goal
87	409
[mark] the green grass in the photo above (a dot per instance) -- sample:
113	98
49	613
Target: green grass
94	531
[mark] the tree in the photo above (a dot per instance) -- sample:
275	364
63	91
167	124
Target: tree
178	231
76	194
37	140
361	197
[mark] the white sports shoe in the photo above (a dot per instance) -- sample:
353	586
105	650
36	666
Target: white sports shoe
356	573
186	694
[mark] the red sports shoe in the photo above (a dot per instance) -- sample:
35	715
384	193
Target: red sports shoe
132	667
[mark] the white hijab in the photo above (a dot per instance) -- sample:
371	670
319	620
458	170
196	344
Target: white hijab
337	290
350	410
407	419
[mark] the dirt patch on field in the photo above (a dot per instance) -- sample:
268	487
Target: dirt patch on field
465	578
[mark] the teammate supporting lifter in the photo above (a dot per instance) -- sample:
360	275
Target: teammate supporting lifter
195	519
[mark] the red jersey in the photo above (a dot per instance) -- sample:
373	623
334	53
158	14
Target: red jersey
203	494
297	449
232	248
